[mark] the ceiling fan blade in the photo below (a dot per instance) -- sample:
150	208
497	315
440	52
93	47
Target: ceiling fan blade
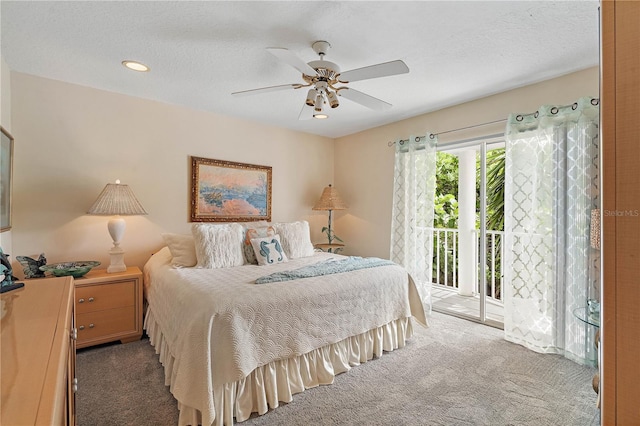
306	113
292	59
374	71
267	89
364	99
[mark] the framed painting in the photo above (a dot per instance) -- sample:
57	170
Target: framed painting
6	171
224	191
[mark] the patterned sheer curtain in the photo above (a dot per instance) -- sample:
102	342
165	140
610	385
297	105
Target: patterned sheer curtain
551	187
414	186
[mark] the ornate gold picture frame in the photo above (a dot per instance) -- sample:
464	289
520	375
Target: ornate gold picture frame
225	191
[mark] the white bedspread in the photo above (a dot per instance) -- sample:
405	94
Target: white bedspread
220	326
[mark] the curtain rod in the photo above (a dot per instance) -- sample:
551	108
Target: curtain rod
519	117
433	135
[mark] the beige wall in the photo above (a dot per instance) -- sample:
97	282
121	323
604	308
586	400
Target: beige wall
5	121
5	95
364	163
72	140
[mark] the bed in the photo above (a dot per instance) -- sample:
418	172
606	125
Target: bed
231	347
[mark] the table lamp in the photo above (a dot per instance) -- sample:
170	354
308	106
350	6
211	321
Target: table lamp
116	200
330	200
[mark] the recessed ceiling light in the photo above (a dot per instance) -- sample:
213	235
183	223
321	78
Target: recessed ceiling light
136	66
320	116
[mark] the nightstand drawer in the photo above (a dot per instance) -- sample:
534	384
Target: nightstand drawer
108	306
105	323
95	298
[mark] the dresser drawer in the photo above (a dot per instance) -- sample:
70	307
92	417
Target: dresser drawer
105	323
94	298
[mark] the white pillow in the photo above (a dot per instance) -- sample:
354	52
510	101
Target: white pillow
296	238
182	248
218	246
268	250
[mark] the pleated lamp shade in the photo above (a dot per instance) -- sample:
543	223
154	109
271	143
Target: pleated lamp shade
117	199
330	200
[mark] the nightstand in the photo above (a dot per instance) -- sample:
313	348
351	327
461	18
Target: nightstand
108	307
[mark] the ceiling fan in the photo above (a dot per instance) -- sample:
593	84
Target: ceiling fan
323	76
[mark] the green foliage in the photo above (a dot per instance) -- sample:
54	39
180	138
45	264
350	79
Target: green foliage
446	197
445	211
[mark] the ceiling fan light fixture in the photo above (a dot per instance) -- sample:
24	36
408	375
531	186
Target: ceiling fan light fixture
322	78
318	103
311	97
333	99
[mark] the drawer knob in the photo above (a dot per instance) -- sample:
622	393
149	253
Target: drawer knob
81	327
91	325
90	299
81	301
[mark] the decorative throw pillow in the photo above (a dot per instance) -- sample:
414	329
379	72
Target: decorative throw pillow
268	250
296	238
182	248
218	246
250	232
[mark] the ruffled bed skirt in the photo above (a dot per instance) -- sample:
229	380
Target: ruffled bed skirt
268	385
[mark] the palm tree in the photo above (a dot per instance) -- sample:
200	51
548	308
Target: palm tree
495	189
495	210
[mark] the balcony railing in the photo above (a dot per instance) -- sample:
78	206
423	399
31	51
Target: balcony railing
445	260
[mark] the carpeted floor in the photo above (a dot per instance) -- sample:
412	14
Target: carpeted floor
454	373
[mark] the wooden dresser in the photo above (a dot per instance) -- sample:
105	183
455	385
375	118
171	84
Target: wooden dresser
37	356
109	307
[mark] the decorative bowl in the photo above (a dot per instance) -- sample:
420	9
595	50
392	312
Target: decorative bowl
75	269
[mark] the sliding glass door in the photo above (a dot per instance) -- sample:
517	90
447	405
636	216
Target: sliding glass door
468	229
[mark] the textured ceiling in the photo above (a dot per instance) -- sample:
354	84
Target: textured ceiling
200	52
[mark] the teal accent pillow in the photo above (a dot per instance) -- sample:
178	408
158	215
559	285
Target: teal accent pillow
268	250
254	231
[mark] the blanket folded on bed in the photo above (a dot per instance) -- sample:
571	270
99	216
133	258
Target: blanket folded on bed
330	266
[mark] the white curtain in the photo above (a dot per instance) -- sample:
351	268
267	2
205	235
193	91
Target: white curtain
414	186
551	186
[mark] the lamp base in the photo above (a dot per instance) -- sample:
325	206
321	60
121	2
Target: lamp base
117	260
